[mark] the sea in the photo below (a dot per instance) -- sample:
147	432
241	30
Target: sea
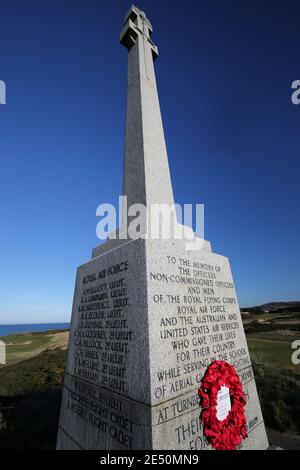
6	330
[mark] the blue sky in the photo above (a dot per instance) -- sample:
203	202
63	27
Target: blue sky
224	76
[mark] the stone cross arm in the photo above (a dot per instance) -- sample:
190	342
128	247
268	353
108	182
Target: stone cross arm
136	23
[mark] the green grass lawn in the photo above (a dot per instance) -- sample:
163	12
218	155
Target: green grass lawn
275	351
26	345
277	380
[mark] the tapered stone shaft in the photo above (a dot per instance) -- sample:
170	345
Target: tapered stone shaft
146	170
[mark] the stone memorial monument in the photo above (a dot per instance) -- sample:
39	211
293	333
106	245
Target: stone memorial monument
150	316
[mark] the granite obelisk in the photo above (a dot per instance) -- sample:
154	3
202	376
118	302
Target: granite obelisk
150	315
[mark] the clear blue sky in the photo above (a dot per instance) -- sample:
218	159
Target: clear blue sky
224	75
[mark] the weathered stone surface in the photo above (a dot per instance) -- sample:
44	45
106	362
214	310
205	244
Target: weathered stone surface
194	320
148	319
146	172
149	316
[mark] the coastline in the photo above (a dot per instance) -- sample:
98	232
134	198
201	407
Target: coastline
9	329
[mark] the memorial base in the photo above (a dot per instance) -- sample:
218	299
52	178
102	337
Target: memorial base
148	318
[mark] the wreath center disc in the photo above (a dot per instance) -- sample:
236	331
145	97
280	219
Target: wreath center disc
223	403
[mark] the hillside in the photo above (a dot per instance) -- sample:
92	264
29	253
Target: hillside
30	397
23	346
30	388
274	307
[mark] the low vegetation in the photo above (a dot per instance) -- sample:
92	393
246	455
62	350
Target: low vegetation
30	391
271	329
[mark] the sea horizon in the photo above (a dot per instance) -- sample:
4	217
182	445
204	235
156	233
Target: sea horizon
11	328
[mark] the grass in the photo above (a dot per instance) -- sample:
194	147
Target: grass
279	392
30	398
30	389
274	351
26	345
277	379
41	373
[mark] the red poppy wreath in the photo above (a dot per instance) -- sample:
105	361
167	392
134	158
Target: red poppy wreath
223	426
